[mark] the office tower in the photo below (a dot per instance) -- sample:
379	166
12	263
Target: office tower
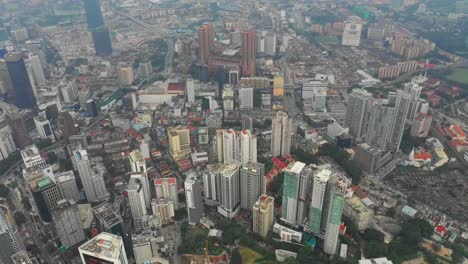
230	146
34	63
190	90
402	104
68	91
248	53
125	75
219	145
137	163
67	221
166	188
104	248
380	122
248	147
92	179
7	144
21	84
319	187
108	219
69	127
145	68
205	42
252	184
263	210
136	199
270	44
43	126
10	240
145	248
291	182
247	123
246	95
102	42
352	34
46	194
278	86
203	137
194	201
305	187
281	132
66	183
421	125
335	195
142	178
5	81
20	132
229	200
357	112
179	142
93	13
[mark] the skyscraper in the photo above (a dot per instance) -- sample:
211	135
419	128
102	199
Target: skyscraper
252	182
194	201
402	105
318	197
281	130
66	183
46	194
137	163
9	239
142	178
291	182
248	147
230	146
305	187
248	53
67	221
69	128
92	180
22	87
380	122
205	42
104	248
34	63
263	211
179	142
166	188
335	195
102	41
246	95
421	125
108	219
211	181
93	13
136	199
357	112
145	248
229	200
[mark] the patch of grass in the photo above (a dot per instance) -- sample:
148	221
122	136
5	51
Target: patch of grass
459	76
249	256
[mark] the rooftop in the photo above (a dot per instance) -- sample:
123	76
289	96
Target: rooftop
21	257
104	244
295	167
107	213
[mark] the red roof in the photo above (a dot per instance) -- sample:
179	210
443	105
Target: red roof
458	130
359	192
169	181
440	229
422	156
134	134
176	86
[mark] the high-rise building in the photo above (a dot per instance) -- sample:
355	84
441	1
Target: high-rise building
68	91
20	132
248	147
102	41
108	219
278	86
67	221
32	158
93	13
316	92
252	182
34	63
336	199
229	199
126	75
46	194
303	204
21	257
218	146
248	53
246	95
357	112
230	144
136	199
380	122
211	181
190	87
92	180
205	42
104	248
21	84
137	163
145	248
281	133
145	68
142	179
352	34
166	188
43	126
263	211
292	175
228	98
179	142
7	144
319	188
203	137
402	105
66	183
421	125
194	200
69	127
10	240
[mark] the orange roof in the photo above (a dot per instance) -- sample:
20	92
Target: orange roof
458	130
422	156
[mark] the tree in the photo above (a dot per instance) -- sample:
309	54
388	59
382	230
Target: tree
236	257
52	157
20	218
290	260
26	203
4	191
375	249
373	235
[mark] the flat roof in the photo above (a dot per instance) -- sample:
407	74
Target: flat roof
296	167
103	245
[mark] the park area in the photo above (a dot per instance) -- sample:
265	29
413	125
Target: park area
459	76
249	256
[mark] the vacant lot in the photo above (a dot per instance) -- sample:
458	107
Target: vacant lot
249	256
459	76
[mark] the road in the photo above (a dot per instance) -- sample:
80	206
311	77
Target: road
151	28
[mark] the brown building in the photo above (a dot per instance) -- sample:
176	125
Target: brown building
205	42
69	127
248	53
20	132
